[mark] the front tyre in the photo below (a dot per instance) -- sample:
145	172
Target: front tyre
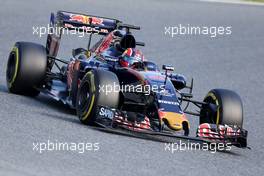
92	92
26	68
224	107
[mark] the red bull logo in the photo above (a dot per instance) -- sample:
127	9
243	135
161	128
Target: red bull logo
97	20
86	19
80	18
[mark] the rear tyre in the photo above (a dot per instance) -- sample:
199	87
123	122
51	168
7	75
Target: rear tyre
225	107
26	68
91	93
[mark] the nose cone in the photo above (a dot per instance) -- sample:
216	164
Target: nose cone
174	120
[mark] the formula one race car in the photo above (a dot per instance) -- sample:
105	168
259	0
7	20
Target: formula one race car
112	85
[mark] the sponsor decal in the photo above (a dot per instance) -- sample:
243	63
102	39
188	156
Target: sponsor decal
80	18
98	21
166	93
86	19
107	113
168	102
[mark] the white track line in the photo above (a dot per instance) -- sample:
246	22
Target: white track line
235	2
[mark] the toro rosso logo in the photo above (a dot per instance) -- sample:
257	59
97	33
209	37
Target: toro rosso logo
86	19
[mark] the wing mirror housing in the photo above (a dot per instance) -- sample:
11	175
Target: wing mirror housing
167	68
78	51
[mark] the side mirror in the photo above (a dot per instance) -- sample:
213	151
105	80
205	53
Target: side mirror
78	51
178	80
167	68
150	66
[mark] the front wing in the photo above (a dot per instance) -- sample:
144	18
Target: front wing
116	121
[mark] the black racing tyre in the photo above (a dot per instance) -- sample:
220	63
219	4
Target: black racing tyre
91	94
226	108
26	68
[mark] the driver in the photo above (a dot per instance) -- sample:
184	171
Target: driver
131	57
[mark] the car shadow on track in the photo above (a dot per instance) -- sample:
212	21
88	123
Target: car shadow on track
46	102
55	105
3	88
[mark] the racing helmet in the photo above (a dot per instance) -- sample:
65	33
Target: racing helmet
130	57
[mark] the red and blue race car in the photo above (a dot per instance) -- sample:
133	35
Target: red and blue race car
113	86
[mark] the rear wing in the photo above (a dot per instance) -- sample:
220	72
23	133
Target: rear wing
86	23
80	23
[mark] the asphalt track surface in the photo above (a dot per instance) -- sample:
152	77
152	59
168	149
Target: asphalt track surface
235	62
